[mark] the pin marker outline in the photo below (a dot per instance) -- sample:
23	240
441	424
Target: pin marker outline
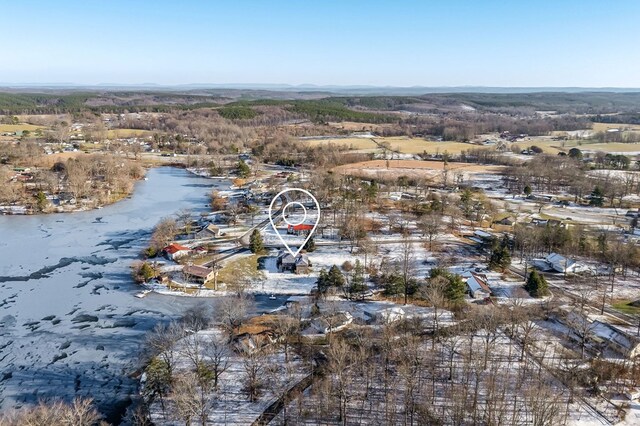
273	225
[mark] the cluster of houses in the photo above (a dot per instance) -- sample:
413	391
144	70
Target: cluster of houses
506	135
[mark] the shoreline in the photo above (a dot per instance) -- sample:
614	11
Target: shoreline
23	210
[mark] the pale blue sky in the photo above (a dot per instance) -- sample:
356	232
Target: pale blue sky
585	43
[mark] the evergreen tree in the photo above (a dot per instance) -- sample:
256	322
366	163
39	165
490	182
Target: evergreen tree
392	283
537	285
371	190
256	245
575	153
243	169
333	278
597	197
527	190
336	279
455	289
323	281
357	280
310	245
466	198
500	256
41	201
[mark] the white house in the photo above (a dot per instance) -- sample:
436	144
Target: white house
174	251
565	265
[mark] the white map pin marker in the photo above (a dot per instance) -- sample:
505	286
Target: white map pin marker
287	203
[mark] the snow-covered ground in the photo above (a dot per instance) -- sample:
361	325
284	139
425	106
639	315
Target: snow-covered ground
230	404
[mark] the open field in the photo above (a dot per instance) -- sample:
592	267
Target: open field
242	267
612	147
359	144
49	160
19	127
353	126
601	127
407	145
393	169
128	133
401	144
554	147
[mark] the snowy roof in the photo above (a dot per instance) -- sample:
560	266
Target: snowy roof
477	282
558	259
611	333
391	314
483	234
287	258
174	248
197	271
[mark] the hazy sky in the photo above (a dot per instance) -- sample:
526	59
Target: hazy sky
587	43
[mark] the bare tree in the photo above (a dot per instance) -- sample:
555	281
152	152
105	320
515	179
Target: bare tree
162	341
80	412
406	260
190	399
253	363
430	225
231	311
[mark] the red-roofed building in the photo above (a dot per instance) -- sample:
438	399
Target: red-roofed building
299	229
175	250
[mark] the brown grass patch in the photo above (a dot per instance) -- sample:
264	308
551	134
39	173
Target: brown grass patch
19	127
430	170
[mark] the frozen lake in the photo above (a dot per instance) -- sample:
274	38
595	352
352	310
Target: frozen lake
69	324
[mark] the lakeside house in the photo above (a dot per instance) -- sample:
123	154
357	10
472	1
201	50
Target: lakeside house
209	231
174	251
198	274
298	265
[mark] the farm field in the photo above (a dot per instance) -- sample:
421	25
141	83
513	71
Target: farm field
613	147
19	127
554	147
355	143
393	169
128	133
601	127
401	144
407	145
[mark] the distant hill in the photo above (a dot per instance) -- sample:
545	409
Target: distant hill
322	102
